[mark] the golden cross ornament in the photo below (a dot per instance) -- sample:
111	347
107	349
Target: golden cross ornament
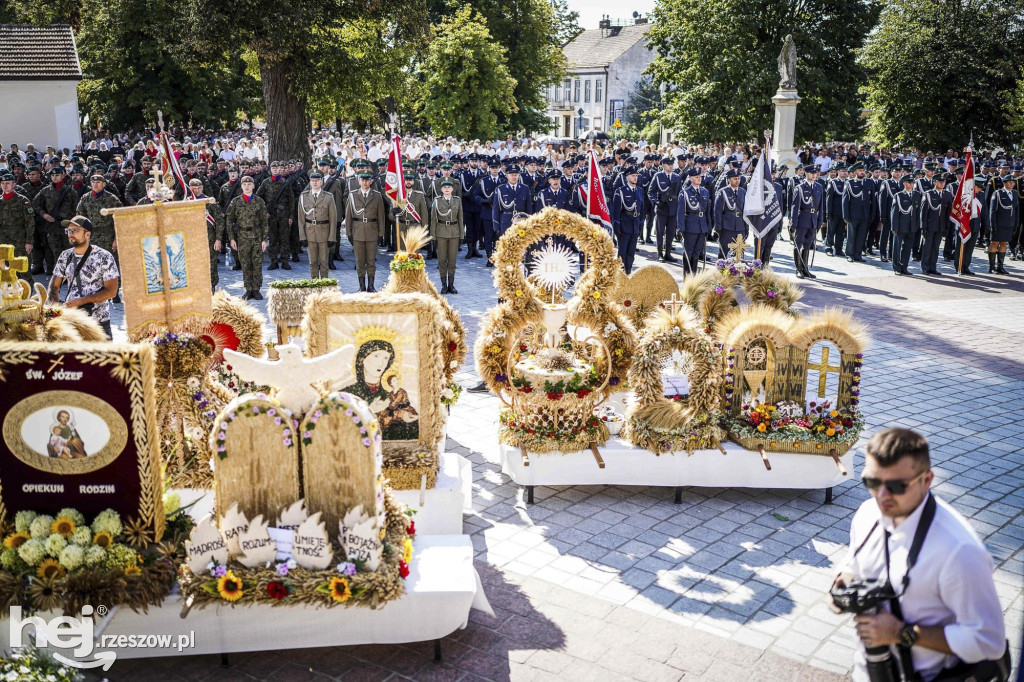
823	370
738	246
11	267
673	305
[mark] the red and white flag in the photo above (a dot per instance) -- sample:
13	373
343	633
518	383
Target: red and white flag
394	181
960	213
593	195
169	162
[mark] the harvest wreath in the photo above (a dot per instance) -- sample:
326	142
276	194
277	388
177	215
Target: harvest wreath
661	424
285	583
592	306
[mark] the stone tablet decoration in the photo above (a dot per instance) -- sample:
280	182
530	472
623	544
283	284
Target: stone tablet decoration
232	524
164	258
361	537
341	458
79	430
257	547
312	548
257	463
205	544
398	370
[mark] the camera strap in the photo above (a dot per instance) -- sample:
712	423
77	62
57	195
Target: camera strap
78	270
925	522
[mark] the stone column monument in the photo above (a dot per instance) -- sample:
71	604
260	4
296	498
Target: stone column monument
785	101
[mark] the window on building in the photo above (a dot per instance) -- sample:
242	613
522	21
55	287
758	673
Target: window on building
558	93
598	87
576	90
586	91
568	90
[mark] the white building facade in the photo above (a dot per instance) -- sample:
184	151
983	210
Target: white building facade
603	68
39	75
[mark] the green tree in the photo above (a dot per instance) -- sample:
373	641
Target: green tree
567	21
942	70
529	32
719	61
468	85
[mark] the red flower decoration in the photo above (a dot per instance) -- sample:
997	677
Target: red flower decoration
582	393
412	528
403	569
277	590
554	396
452	346
627	303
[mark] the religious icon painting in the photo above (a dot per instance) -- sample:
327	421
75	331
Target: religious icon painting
79	430
164	253
397	368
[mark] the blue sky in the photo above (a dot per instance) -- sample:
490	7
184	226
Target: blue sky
591	10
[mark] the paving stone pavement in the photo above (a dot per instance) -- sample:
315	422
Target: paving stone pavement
614	582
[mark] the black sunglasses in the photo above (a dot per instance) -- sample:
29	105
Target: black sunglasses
895	486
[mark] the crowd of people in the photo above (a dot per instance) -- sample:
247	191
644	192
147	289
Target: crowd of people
857	201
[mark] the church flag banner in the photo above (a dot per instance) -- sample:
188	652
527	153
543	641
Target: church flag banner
169	163
960	213
593	196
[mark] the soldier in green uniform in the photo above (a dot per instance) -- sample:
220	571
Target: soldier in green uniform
90	205
17	222
145	200
54	203
447	226
334	182
279	197
247	227
364	216
136	187
214	228
32	186
318	224
416	201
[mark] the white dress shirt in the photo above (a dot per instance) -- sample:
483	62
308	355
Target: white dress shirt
951	584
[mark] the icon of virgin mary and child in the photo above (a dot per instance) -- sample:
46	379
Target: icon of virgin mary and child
390	403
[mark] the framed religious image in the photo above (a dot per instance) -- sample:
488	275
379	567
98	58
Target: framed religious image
397	367
79	430
164	255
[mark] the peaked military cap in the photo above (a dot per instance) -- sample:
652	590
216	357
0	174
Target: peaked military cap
408	175
245	179
316	174
668	159
512	169
446	164
57	170
683	157
365	176
735	173
325	161
908	179
857	166
693	171
1009	178
554	174
96	176
606	161
447	182
630	170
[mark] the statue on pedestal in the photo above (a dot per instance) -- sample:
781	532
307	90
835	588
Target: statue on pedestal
787	65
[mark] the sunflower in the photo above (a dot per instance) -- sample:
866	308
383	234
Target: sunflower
340	590
407	550
49	569
102	539
135	570
229	587
15	540
62	525
43	594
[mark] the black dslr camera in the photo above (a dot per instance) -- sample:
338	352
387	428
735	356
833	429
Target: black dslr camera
865	596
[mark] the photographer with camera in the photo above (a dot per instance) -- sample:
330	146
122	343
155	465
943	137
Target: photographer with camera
90	271
919	578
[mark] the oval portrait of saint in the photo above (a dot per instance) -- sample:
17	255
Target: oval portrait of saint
65	432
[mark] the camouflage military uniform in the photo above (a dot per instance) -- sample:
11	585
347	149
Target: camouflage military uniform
17	225
279	198
59	203
89	205
136	189
31	191
215	232
247	226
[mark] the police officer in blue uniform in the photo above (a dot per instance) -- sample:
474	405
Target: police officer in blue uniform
644	177
805	220
1003	220
835	231
728	212
933	216
483	196
858	210
693	219
903	222
888	189
628	211
663	193
468	177
511	198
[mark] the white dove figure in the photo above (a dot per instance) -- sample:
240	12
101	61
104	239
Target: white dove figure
293	376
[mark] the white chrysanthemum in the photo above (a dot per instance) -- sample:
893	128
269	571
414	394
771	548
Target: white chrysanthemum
108	521
82	536
23	521
71	557
54	544
95	555
40	527
32	552
73	514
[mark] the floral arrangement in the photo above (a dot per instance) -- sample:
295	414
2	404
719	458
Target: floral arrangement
282	417
61	562
820	427
407	261
325	406
320	283
181	355
450	394
284	582
29	664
